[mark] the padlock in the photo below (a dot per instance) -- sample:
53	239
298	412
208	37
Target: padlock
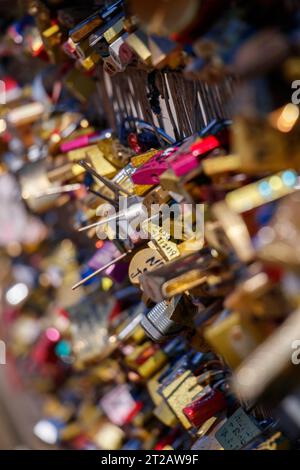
179	275
205	407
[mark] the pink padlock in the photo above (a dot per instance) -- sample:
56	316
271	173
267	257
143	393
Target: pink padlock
181	163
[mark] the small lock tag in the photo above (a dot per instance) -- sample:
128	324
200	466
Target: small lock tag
237	431
160	239
143	261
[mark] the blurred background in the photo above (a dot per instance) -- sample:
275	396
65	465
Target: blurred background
86	361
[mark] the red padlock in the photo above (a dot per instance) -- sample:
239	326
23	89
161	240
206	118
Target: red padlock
205	407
